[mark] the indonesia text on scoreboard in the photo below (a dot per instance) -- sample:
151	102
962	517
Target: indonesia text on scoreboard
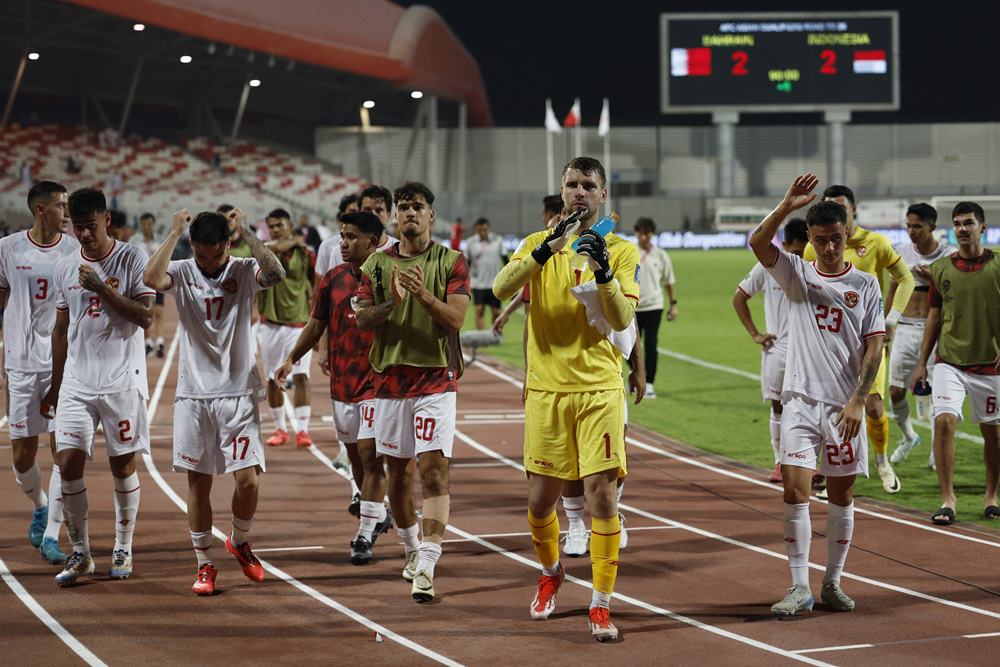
780	62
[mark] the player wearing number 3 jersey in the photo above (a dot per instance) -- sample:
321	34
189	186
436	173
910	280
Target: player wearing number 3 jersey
836	330
216	423
99	375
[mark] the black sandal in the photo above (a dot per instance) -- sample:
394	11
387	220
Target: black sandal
948	515
992	512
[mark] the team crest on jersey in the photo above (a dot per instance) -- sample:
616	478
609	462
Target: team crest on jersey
112	282
851	299
230	285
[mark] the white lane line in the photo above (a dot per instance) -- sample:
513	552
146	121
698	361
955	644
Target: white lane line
927	426
45	617
624	598
759	482
849	647
275	549
982	635
486	422
3	421
154	472
491	536
744	545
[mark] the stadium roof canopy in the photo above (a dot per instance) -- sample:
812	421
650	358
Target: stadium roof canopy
317	60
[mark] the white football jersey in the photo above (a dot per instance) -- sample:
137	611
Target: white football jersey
26	272
218	351
912	257
324	256
106	353
829	318
775	304
149	247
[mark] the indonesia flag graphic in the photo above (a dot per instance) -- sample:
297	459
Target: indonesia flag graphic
869	62
691	62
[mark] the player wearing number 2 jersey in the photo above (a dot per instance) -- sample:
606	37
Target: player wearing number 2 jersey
99	374
352	383
836	330
216	423
27	262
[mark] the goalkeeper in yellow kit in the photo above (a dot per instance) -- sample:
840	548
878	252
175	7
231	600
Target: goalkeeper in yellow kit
873	253
574	405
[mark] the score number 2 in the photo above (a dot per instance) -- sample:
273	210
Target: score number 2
740	59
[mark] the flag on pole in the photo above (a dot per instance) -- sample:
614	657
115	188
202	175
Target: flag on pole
551	122
604	125
572	119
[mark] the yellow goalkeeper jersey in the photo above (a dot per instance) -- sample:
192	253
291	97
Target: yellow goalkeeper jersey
868	251
565	353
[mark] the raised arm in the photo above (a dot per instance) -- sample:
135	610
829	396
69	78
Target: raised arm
519	271
799	195
156	275
271	270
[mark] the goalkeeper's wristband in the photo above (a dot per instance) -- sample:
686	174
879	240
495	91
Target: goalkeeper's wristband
542	253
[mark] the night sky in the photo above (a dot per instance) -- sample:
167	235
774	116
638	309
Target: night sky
530	50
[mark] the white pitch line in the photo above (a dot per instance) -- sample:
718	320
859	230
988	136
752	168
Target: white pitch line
45	617
3	421
154	472
761	483
749	547
624	598
849	647
982	635
276	549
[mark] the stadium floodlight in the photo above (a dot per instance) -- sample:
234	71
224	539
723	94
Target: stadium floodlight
33	56
138	27
416	94
185	59
368	104
254	83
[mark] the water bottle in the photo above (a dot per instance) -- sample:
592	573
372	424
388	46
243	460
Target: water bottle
922	394
603	227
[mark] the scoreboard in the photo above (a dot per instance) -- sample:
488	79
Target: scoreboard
809	61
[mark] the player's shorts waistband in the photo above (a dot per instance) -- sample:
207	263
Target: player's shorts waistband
913	322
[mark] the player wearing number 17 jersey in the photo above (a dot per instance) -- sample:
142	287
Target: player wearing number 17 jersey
836	330
216	423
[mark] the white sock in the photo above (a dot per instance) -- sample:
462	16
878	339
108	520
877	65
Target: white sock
776	436
901	411
149	342
76	506
159	340
429	554
202	541
55	504
30	482
302	414
241	531
278	415
410	537
126	507
839	530
551	571
619	490
371	513
599	599
798	533
574	512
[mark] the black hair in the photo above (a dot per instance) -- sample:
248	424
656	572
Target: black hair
840	191
376	192
147	216
411	190
346	201
43	189
924	211
366	221
280	213
482	221
645	225
826	213
224	209
85	202
969	207
553	204
796	229
118	220
587	166
210	228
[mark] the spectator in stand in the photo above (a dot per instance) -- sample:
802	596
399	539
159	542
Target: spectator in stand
119	228
310	233
486	256
25	173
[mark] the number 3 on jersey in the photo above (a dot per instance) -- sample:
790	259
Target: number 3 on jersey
829	318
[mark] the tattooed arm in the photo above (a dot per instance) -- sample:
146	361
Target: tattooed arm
368	315
849	419
271	270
